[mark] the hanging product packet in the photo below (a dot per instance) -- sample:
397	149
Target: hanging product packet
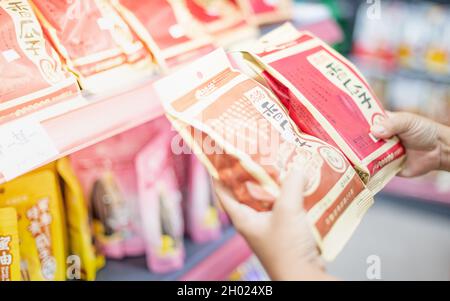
9	245
261	12
94	41
244	136
202	214
223	20
81	240
160	204
31	74
328	98
107	174
166	29
38	202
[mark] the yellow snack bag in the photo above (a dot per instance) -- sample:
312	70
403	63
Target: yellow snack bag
37	200
9	246
79	231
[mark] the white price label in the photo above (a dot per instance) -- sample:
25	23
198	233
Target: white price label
24	145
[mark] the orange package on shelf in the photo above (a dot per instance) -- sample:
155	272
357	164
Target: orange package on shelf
95	42
328	97
31	73
167	30
262	12
223	20
245	138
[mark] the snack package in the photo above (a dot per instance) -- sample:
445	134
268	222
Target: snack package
9	245
38	202
81	240
94	41
160	204
328	98
244	136
222	20
166	29
202	218
107	174
30	69
261	12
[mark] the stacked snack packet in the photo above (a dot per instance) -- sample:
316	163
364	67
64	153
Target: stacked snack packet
94	41
166	29
31	73
261	12
9	245
245	138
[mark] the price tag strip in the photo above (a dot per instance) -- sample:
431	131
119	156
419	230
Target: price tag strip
24	146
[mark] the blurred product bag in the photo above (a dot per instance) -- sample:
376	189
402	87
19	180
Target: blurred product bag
261	12
9	245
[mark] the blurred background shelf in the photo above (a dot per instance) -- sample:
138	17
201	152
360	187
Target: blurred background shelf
211	261
422	189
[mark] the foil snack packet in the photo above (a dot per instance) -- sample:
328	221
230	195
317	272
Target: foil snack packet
31	73
261	12
244	137
94	41
328	98
221	19
166	29
9	245
38	202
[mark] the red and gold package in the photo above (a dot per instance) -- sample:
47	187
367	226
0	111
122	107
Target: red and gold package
31	74
167	30
245	138
94	41
262	12
9	245
38	202
222	19
328	98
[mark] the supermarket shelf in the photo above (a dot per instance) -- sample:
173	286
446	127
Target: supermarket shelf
97	119
417	189
212	261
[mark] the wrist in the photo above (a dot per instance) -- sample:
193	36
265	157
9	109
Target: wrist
444	147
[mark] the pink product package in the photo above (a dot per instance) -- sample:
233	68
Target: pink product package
203	223
108	177
160	205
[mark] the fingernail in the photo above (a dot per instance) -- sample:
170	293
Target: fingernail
378	129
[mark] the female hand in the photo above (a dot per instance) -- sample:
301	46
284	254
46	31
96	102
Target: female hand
281	239
427	143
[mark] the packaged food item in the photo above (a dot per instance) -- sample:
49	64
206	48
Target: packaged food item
107	174
202	218
261	12
160	204
166	29
9	245
81	240
30	70
328	98
222	20
94	41
244	137
38	202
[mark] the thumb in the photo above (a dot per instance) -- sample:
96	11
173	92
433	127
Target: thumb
395	124
291	196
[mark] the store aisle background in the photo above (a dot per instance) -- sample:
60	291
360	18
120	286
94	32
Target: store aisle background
411	238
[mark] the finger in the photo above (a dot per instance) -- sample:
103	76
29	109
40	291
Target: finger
395	124
237	212
290	200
